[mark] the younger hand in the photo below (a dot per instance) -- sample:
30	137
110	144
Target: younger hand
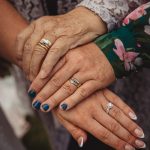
114	127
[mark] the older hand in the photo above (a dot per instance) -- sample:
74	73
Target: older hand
84	66
112	126
61	33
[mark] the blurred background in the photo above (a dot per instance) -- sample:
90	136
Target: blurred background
17	115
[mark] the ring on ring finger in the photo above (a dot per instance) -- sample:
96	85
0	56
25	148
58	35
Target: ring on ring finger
45	43
109	107
75	82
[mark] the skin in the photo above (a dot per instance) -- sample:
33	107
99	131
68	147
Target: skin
75	126
114	129
88	65
64	32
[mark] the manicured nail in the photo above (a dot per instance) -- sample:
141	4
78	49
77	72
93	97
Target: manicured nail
140	144
45	107
81	141
37	105
32	94
133	116
43	74
139	133
129	147
64	106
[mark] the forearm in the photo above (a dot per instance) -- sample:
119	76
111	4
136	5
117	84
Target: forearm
11	23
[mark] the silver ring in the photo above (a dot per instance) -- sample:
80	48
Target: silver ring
46	43
75	82
109	107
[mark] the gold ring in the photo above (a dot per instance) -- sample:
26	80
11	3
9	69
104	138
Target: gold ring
45	42
75	82
43	46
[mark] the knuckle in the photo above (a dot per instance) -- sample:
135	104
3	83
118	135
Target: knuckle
132	126
119	144
20	37
114	127
19	56
55	82
105	135
39	50
55	51
116	113
28	48
43	95
53	101
83	92
67	88
75	132
130	138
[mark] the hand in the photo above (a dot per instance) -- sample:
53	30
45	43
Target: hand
114	128
64	33
77	133
87	65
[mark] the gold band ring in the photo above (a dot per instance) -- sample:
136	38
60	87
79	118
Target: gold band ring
75	82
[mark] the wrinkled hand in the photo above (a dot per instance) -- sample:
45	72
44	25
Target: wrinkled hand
88	65
114	128
64	32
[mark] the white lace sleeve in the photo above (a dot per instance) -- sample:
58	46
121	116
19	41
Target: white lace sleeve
111	11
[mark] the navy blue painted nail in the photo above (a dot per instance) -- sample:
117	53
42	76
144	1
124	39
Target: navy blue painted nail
45	107
32	93
64	106
37	105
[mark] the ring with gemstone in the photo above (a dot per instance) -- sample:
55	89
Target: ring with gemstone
109	107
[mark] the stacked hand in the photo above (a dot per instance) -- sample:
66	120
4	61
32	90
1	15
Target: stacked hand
65	76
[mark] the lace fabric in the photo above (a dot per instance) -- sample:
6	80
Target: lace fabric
111	11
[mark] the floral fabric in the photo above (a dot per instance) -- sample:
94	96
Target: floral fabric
128	48
112	11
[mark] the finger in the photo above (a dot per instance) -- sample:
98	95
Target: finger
38	83
60	47
113	126
80	94
78	134
29	47
119	103
127	123
21	39
55	83
39	53
104	135
65	91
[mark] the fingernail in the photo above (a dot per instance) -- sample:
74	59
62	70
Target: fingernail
43	74
139	133
32	94
45	107
140	144
64	106
81	141
37	105
129	147
133	116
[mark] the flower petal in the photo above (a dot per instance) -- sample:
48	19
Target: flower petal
130	56
120	50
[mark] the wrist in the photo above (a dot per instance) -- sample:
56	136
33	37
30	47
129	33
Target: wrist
91	21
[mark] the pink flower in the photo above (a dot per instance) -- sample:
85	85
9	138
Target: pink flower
127	57
137	13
